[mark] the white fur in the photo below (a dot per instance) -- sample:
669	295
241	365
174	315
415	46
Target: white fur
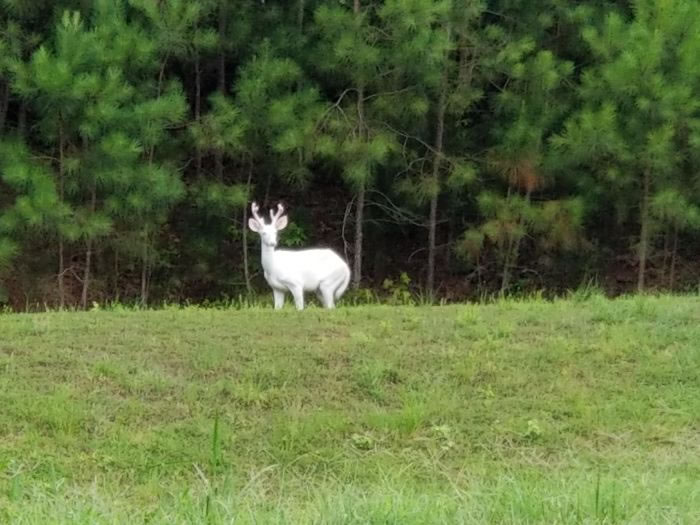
319	270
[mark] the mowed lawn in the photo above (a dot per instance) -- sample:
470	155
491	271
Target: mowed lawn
571	411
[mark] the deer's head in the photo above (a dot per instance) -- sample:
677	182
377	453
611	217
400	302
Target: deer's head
267	232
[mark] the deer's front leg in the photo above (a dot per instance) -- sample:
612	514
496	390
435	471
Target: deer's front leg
279	298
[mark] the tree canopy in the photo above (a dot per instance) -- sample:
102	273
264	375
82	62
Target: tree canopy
457	147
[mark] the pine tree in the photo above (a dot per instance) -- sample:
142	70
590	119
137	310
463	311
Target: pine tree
47	82
157	106
354	128
678	210
530	107
638	100
30	204
105	130
24	24
438	63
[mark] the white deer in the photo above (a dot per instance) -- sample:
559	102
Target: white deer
319	270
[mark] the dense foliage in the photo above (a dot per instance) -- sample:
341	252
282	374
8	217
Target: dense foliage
475	146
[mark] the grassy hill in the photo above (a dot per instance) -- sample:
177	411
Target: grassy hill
513	412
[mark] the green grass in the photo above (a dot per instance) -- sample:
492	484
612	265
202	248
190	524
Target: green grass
578	411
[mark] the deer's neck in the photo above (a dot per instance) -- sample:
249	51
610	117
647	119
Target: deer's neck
268	257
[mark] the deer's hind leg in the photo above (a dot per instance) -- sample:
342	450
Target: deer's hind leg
325	292
319	295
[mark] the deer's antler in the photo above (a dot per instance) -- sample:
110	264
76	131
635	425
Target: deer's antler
254	209
276	215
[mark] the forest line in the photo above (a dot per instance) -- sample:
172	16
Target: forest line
471	146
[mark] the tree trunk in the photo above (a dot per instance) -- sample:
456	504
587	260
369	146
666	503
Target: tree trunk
144	255
219	165
61	196
360	204
437	159
144	268
88	255
61	272
357	256
218	155
432	227
450	242
116	275
4	103
300	15
664	263
505	279
674	253
516	252
268	185
159	90
644	232
197	108
86	274
513	250
246	269
22	119
222	49
479	281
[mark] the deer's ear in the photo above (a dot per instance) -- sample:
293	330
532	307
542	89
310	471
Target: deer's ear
281	223
254	225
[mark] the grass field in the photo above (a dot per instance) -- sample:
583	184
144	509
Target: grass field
571	411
